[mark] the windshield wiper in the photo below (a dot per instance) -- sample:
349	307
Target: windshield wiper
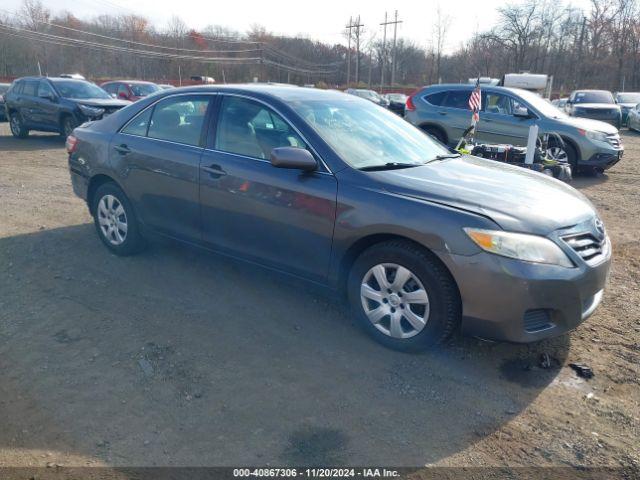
444	157
389	166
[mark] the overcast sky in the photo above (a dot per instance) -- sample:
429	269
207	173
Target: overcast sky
316	19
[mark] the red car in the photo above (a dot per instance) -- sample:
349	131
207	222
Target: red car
130	89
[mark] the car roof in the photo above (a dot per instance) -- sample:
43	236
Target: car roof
590	90
469	86
282	92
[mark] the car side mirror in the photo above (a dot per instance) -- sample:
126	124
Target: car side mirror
522	113
47	96
294	158
113	95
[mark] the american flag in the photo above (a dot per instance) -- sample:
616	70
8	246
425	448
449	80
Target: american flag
475	102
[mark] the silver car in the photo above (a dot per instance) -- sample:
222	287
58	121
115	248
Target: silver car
506	115
633	118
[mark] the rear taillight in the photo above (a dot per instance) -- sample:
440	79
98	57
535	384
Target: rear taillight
410	107
71	144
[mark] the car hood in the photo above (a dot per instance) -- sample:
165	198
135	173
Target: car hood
589	124
102	102
515	198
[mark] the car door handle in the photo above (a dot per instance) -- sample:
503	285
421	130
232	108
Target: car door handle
215	171
122	149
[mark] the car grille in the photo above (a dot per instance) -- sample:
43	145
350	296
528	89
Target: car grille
587	246
598	112
537	320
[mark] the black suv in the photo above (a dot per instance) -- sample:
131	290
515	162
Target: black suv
55	104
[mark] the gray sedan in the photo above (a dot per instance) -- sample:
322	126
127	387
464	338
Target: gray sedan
335	190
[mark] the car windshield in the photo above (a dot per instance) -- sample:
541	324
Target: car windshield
366	136
628	97
143	89
79	90
593	97
541	105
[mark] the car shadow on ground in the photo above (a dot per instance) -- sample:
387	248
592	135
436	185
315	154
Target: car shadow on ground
35	141
181	357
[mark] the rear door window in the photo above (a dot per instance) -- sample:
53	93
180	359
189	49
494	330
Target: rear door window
30	87
138	126
436	98
458	99
45	89
179	119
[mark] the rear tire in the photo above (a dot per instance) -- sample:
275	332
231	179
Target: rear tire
16	126
419	307
115	220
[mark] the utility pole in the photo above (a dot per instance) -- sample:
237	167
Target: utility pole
370	64
393	55
357	27
384	52
349	27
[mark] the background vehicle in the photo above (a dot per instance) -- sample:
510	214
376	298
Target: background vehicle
55	104
131	90
507	113
75	76
633	118
595	104
397	102
3	90
165	86
333	189
560	103
370	95
534	82
203	79
627	102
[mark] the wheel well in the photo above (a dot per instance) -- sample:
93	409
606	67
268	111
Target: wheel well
95	182
430	126
354	251
573	145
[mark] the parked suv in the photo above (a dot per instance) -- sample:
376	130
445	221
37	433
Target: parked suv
3	90
132	90
506	115
335	190
55	104
595	104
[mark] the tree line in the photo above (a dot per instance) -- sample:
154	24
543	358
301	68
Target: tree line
594	48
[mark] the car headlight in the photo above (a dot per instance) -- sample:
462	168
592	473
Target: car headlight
91	111
597	136
529	248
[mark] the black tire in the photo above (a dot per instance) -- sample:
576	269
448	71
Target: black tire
133	242
444	300
435	133
572	154
16	125
67	124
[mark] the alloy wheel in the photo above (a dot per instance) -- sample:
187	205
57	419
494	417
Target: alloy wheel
14	124
558	154
394	300
112	219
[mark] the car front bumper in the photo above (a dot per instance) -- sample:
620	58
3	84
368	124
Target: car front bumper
510	300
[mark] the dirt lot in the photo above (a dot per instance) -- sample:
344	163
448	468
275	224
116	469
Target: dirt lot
179	357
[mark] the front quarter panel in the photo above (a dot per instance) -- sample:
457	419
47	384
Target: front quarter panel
366	209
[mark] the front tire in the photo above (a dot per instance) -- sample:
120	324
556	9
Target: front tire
115	220
403	296
16	125
563	152
67	125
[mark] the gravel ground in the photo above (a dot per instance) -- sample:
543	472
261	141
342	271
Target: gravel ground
179	357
